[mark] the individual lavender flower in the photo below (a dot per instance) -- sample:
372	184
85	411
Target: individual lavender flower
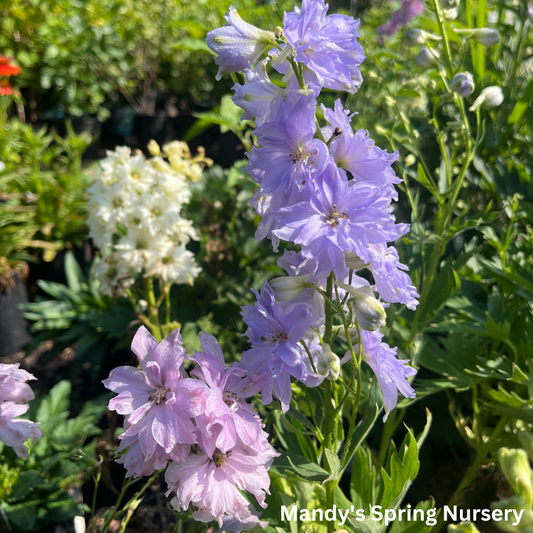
409	9
356	152
256	95
289	153
16	431
237	44
337	217
220	401
213	482
276	331
392	283
155	399
327	46
392	373
13	386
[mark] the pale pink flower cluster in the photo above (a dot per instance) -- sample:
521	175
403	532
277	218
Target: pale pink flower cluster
199	421
15	394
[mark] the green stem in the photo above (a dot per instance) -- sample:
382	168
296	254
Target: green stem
93	507
153	311
328	408
444	35
480	49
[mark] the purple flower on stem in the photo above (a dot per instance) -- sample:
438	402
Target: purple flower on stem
220	403
15	431
238	44
392	373
276	331
358	153
155	399
327	46
339	217
392	283
256	95
289	153
213	482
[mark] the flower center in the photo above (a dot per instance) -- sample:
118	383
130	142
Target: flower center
334	218
219	457
159	396
300	155
229	398
279	337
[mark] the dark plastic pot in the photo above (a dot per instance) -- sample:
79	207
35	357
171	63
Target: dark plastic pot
146	128
13	326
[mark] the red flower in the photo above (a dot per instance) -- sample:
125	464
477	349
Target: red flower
7	68
5	88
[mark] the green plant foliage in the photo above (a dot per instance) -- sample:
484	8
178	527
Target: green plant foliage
39	490
78	314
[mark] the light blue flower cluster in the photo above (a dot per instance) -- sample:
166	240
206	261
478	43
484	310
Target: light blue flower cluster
325	188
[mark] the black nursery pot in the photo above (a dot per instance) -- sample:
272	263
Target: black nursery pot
13	326
146	128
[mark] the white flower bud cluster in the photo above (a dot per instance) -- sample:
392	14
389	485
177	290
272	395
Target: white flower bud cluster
135	216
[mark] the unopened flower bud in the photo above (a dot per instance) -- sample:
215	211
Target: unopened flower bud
341	332
368	310
450	4
451	14
515	466
426	59
278	32
490	97
413	37
463	84
288	287
486	36
328	363
353	261
153	148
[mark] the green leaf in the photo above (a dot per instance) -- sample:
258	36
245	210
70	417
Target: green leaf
303	467
414	526
425	181
362	480
193	45
54	407
73	272
289	427
22	516
26	482
334	464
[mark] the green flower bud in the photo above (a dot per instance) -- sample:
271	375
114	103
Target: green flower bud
288	287
369	312
519	521
328	363
515	466
484	36
353	261
426	59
